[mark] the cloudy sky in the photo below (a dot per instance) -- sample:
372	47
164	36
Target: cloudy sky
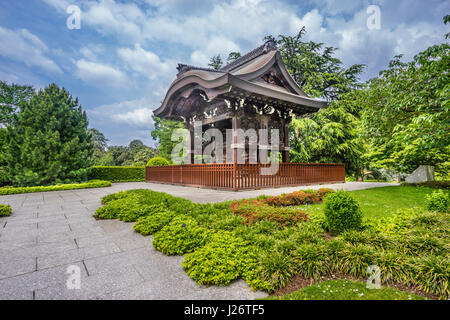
123	58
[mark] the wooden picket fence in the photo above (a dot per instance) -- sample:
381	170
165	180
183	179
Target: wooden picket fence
235	177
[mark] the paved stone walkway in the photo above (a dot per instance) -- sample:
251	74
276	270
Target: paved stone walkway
50	232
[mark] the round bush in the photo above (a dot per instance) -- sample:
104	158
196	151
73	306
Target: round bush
437	201
157	162
5	210
180	236
154	222
342	212
220	261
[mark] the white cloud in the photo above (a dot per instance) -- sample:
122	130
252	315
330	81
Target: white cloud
99	74
135	113
92	52
23	46
145	62
137	117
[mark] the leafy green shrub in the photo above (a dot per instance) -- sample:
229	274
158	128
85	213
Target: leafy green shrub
133	213
432	274
307	233
393	266
438	201
354	260
322	192
295	198
5	210
342	212
118	174
127	207
157	162
366	237
311	261
420	244
114	207
153	222
223	259
180	236
277	269
59	187
256	210
114	196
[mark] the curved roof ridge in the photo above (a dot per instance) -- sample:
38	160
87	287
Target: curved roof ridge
182	68
266	47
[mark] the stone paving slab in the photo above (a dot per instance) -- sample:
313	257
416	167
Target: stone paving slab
49	232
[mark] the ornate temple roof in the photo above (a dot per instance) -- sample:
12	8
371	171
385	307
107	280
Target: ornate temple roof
259	77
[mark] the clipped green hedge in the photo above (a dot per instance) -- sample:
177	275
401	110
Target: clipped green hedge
118	174
5	210
4	181
59	187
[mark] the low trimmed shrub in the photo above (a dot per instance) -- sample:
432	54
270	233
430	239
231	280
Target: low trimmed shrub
118	174
438	201
257	210
301	197
342	212
443	184
127	207
157	162
154	222
59	187
5	210
224	258
182	235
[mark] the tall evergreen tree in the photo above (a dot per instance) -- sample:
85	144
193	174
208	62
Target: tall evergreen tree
48	141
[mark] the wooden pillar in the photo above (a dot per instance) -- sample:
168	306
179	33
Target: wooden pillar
285	154
234	130
191	147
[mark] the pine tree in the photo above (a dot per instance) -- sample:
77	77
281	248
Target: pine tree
48	141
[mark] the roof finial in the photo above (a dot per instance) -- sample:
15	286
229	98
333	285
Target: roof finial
270	45
182	67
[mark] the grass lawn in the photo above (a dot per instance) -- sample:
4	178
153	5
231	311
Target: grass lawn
383	201
346	290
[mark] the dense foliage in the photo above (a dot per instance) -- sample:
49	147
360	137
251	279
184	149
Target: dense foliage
117	174
406	112
438	201
48	141
162	133
182	235
5	210
135	154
